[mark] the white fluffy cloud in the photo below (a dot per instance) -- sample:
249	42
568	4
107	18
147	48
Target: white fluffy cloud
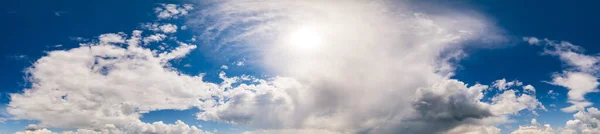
99	84
572	55
139	128
532	40
586	122
448	105
157	27
509	103
168	28
154	38
579	84
357	69
112	38
529	88
344	67
502	84
37	131
534	128
580	78
167	11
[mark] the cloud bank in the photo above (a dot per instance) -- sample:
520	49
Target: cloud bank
341	67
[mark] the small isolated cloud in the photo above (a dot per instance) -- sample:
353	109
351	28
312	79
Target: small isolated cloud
79	39
502	84
532	40
239	63
167	11
60	13
19	57
154	38
552	94
151	26
157	27
168	28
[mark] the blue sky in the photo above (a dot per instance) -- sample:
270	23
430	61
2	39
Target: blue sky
303	67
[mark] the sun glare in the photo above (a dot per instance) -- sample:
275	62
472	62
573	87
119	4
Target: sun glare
305	37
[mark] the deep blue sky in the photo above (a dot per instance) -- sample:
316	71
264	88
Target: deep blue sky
29	28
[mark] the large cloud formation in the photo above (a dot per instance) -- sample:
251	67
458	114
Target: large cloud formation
360	74
343	67
104	85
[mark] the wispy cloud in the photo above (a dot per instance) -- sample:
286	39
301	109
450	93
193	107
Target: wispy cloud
60	13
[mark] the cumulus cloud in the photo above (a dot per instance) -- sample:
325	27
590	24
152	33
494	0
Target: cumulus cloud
529	88
509	103
168	11
36	131
158	27
154	38
344	67
102	83
224	67
449	106
291	131
572	55
453	105
502	84
445	105
532	40
534	128
112	38
150	26
141	128
579	84
474	129
168	28
359	55
581	76
585	122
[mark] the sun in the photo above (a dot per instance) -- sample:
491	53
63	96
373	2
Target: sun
306	37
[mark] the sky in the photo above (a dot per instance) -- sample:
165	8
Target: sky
314	66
